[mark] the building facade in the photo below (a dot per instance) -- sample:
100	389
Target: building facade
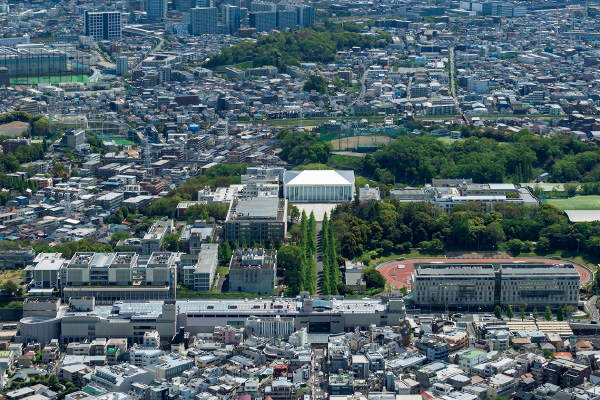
198	270
479	285
318	186
231	18
539	285
203	21
111	277
106	25
156	10
454	284
259	219
253	271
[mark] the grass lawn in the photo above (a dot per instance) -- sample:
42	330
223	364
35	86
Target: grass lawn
411	254
577	203
339	161
123	142
584	259
15	275
447	141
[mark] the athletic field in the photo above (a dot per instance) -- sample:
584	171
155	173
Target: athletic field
55	80
397	273
577	203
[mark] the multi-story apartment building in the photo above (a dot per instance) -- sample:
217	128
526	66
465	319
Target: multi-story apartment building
110	201
203	20
156	10
434	348
263	21
565	373
105	25
231	18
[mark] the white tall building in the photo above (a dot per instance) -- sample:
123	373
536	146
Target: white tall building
105	25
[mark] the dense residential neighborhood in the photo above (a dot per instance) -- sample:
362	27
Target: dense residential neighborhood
299	200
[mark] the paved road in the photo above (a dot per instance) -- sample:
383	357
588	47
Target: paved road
319	257
452	77
591	307
156	48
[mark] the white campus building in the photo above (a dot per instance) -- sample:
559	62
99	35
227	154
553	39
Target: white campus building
318	186
482	285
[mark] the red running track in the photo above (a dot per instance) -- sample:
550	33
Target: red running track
400	277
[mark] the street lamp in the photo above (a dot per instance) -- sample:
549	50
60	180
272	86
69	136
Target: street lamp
578	240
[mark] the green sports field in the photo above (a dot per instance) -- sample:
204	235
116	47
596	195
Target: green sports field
577	203
55	80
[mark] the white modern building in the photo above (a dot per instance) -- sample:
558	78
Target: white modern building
84	320
322	186
46	270
539	284
119	276
453	284
119	378
142	357
122	65
447	193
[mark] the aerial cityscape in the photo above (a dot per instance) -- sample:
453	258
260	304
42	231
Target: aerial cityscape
300	200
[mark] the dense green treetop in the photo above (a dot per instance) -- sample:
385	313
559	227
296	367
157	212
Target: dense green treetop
318	43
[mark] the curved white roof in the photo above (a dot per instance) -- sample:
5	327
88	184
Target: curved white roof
319	177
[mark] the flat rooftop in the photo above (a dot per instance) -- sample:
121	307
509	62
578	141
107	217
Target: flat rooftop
454	269
270	208
539	269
